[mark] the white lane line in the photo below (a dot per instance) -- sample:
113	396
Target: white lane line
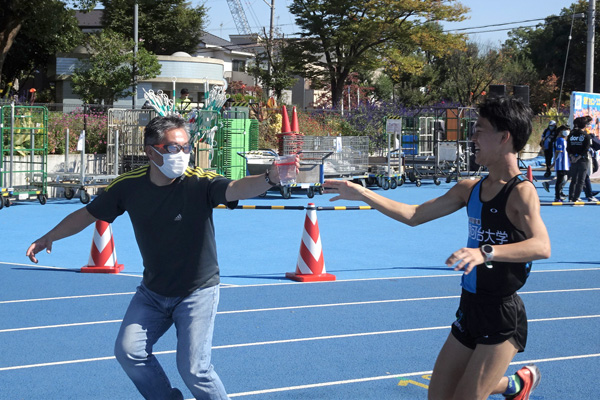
269	309
138	275
291	307
285	341
448	275
355	303
67	297
33	328
394	376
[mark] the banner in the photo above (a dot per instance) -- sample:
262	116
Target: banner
583	104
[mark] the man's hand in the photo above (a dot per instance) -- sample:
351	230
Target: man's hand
465	258
37	246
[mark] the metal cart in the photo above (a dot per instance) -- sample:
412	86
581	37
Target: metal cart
23	153
73	181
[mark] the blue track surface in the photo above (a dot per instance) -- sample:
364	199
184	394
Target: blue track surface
373	334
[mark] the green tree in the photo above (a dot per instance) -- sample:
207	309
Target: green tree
465	75
107	74
40	28
340	35
164	26
40	38
545	46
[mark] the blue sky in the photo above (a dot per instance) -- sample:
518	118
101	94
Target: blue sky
483	12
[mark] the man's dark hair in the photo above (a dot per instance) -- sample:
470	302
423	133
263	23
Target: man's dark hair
509	114
582	122
156	129
185	91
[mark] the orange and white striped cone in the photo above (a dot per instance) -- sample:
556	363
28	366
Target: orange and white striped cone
311	264
103	256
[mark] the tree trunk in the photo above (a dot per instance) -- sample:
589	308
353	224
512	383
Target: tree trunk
7	38
337	88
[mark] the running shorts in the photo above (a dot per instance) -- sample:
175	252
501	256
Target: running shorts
490	320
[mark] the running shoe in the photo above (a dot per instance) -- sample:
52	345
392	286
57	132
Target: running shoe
531	376
546	186
592	199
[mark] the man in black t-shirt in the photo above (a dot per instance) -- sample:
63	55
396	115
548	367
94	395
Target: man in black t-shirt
170	206
578	147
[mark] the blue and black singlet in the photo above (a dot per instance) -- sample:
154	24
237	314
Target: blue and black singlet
489	224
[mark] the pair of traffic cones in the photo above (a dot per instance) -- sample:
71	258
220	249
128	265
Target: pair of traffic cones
103	256
310	266
290	132
285	122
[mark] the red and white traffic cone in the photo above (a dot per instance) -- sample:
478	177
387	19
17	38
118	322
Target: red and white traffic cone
311	264
103	256
530	173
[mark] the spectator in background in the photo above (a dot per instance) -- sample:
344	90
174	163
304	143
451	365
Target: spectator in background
546	143
561	163
184	103
578	147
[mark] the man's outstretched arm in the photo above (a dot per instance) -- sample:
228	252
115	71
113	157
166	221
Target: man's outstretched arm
70	225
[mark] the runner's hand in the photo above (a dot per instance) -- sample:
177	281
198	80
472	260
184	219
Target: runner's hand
465	258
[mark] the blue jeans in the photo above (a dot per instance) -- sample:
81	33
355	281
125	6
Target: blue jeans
148	317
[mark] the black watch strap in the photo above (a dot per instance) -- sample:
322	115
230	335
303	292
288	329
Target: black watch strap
268	180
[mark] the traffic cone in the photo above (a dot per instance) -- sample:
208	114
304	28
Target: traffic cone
295	127
103	256
285	120
529	173
311	265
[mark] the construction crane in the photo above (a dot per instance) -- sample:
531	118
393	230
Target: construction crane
239	17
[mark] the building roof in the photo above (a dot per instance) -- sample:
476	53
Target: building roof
210	39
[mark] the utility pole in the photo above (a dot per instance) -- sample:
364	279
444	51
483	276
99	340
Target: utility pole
270	42
589	61
135	51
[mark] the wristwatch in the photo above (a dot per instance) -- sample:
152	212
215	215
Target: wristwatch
268	180
488	253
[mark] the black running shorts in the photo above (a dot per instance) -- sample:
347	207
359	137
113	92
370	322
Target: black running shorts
490	320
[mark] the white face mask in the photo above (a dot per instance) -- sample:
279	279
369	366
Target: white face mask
174	165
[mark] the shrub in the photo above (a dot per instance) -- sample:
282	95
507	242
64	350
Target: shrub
96	131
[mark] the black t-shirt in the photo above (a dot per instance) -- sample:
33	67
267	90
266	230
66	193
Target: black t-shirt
173	226
578	143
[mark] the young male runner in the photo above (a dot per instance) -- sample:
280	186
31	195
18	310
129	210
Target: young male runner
506	233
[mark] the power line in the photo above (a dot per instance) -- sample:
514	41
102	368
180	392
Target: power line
503	24
501	29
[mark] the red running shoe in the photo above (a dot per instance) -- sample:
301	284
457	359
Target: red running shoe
531	376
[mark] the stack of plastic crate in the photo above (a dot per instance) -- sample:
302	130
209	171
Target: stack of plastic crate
233	142
253	144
